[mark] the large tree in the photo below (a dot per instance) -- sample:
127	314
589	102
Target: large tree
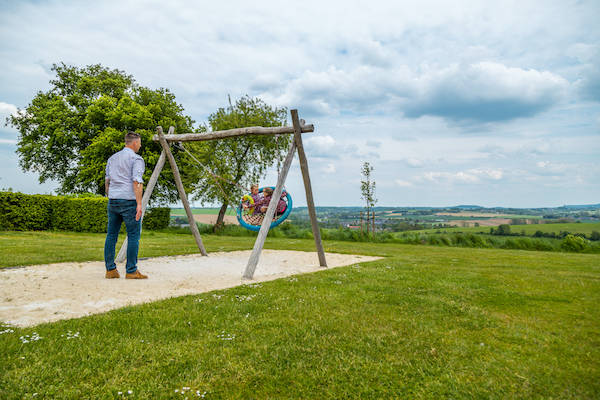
68	132
229	166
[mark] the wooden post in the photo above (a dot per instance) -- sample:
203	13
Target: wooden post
308	188
180	189
268	219
145	199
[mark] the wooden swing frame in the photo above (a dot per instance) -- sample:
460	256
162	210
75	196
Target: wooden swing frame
296	146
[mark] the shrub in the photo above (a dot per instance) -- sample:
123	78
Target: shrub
574	243
157	218
23	212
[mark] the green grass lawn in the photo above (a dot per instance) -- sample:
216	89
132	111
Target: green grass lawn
425	322
586	228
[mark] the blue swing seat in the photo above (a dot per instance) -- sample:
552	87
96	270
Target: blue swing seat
249	220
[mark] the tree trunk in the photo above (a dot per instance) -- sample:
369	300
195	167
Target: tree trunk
221	217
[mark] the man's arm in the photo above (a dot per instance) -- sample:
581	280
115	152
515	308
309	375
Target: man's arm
106	186
138	189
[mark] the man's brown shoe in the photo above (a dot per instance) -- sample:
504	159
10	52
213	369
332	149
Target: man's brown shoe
112	274
136	275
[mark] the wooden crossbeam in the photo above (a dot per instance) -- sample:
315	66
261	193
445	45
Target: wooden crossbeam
253	130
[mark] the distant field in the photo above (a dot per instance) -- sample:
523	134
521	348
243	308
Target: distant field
529	229
487	215
180	212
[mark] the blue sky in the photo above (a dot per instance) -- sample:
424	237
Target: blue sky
474	103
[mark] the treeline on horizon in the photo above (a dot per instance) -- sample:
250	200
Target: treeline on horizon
570	242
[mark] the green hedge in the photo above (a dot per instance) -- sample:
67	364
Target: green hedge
157	218
23	212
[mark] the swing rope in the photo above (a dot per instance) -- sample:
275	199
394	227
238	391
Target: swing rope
179	145
247	219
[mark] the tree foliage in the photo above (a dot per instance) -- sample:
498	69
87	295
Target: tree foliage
240	161
68	133
367	189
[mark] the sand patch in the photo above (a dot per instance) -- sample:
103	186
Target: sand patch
45	293
211	219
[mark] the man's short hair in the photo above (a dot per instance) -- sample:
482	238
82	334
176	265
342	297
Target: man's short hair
131	136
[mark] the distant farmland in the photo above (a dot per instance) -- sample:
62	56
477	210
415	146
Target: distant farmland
572	227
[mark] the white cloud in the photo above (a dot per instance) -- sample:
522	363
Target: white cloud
473	175
322	146
8	141
7	109
413	162
8	134
485	91
402	183
329	168
548	167
322	142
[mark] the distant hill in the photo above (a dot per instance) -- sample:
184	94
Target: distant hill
580	207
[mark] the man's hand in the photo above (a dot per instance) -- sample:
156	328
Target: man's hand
138	189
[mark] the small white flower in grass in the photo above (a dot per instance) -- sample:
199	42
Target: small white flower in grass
199	300
241	298
33	338
8	330
130	391
337	282
481	344
293	279
119	393
226	336
217	296
71	335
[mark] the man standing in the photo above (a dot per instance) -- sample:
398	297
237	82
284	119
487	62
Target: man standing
124	188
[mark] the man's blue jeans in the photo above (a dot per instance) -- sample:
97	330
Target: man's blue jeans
118	211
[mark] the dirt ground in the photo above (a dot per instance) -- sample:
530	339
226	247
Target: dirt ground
45	293
212	219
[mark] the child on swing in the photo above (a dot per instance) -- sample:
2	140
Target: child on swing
256	196
264	203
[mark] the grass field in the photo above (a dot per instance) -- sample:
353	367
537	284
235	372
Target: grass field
586	228
426	322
